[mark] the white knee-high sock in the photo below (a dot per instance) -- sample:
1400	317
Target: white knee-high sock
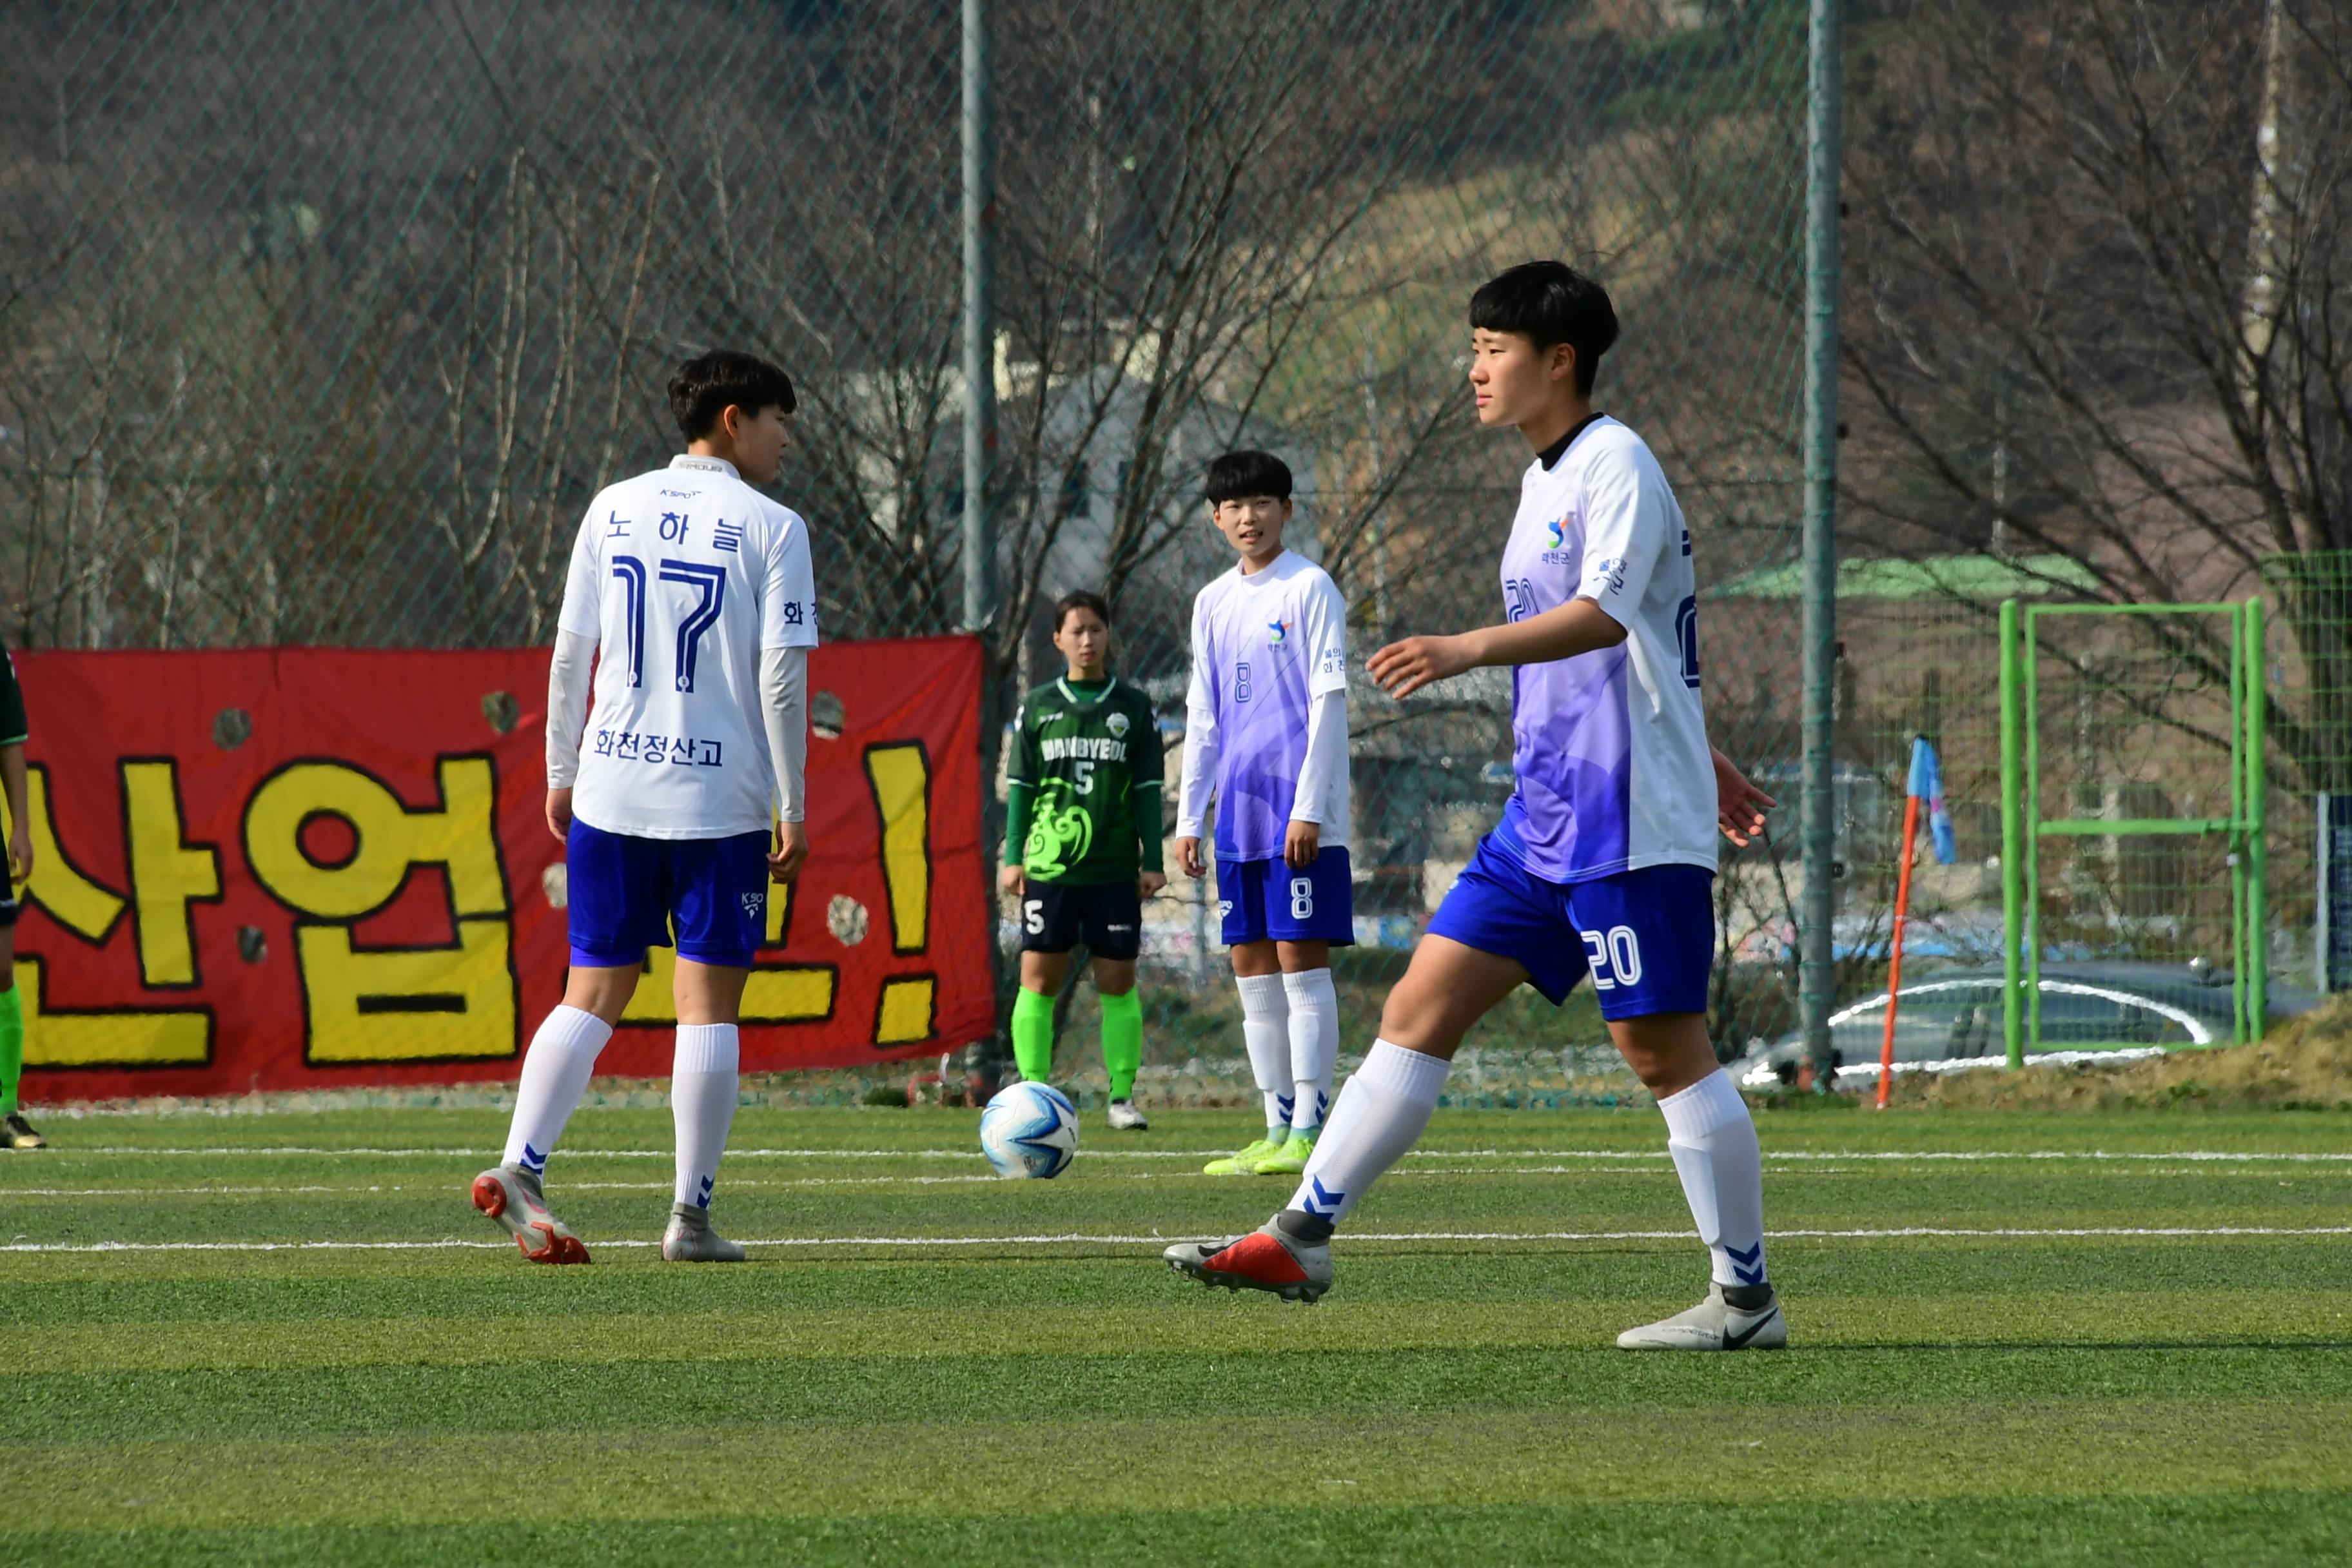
1381	1112
555	1074
1265	1031
1713	1140
1314	1043
702	1104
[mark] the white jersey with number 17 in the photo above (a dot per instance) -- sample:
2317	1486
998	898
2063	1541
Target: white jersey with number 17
683	576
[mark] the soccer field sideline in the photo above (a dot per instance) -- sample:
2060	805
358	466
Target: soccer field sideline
2133	1333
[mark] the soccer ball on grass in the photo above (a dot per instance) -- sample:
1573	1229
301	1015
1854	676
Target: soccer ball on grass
1029	1130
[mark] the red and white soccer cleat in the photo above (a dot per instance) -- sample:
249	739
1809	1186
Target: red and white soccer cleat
1264	1259
511	1195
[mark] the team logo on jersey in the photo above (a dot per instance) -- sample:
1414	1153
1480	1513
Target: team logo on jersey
1117	725
1276	631
1060	833
1556	531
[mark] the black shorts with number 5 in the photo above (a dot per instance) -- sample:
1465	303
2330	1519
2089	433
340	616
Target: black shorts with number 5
1109	916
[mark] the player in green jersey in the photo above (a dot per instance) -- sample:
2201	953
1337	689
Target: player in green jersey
16	1132
1082	845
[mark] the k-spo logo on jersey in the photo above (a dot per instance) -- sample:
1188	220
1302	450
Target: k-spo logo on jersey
284	868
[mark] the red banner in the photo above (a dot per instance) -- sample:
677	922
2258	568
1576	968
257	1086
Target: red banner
300	867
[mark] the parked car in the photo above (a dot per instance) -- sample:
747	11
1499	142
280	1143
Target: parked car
1955	1019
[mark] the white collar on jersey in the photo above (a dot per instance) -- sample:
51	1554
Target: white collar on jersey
1063	682
709	465
1269	573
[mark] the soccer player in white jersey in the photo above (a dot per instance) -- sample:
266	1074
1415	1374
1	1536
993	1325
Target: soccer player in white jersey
1266	735
677	794
1602	865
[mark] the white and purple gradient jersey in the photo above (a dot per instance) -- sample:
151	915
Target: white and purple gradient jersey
1610	746
683	576
1264	647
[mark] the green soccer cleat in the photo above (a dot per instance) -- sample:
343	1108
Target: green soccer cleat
1288	1157
1243	1161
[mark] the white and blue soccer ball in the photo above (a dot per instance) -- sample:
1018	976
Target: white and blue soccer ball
1029	1130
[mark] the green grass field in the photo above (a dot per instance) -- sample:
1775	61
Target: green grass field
2019	1337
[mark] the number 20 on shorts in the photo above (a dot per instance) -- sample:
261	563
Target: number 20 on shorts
1614	957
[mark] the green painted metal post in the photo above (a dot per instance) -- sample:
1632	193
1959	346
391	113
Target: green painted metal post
2012	843
1817	954
2239	1031
2257	923
2029	702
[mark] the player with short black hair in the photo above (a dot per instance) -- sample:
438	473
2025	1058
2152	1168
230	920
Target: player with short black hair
678	794
1082	845
16	1132
1265	737
1240	475
1549	303
704	387
1600	867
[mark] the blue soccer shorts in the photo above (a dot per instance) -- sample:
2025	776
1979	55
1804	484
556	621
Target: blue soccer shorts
627	893
1270	898
1645	938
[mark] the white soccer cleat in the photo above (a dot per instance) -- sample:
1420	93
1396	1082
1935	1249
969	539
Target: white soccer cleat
1123	1116
1712	1325
690	1239
511	1195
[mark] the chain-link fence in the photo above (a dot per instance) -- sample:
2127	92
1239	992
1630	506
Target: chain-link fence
2135	717
320	320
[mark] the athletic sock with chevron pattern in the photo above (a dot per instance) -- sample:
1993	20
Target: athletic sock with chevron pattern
1713	1140
1380	1114
703	1089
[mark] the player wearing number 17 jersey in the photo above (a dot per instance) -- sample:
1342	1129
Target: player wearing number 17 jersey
1602	865
692	594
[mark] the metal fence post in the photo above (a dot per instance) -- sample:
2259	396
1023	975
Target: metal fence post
1817	982
979	319
2258	849
2013	846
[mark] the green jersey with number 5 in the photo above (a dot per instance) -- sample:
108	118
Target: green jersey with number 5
1082	791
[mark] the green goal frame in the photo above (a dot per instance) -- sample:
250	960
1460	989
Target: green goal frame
2023	826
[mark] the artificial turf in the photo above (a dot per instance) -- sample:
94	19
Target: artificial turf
2019	1338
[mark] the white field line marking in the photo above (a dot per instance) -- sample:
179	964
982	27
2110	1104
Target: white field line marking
1974	1157
1077	1237
749	1184
754	1184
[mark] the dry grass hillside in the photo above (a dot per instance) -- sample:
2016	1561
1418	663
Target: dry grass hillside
2306	1064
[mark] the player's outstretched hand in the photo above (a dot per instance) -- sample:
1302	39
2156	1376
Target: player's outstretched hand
1188	856
1148	883
1301	844
1013	881
20	853
1739	805
1404	667
559	815
786	859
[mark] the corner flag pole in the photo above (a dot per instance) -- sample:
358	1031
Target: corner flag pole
1894	956
1926	787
